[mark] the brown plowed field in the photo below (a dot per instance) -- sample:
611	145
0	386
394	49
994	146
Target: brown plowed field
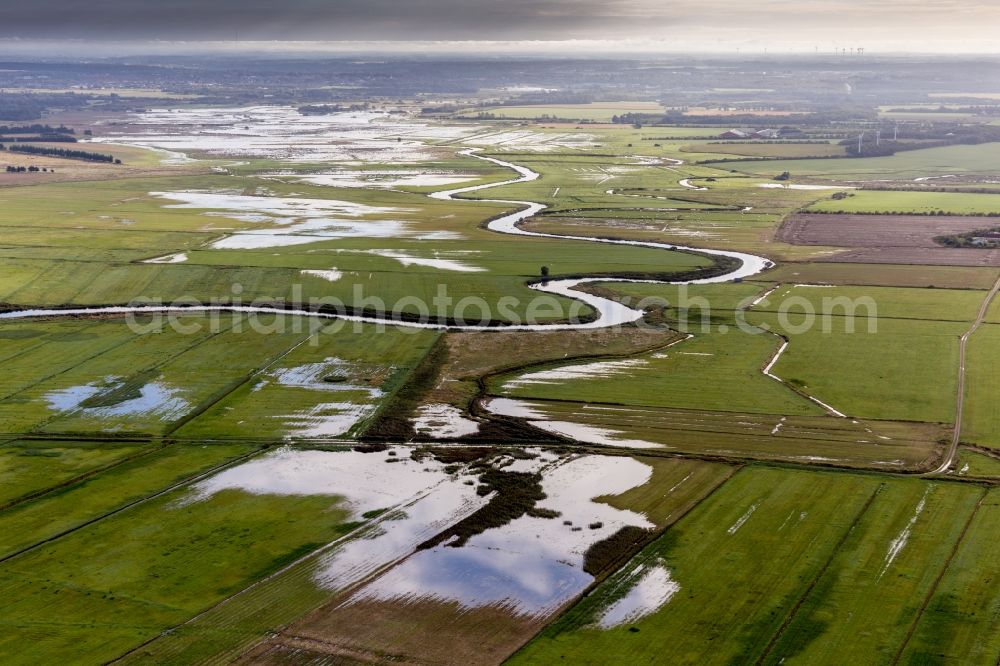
889	239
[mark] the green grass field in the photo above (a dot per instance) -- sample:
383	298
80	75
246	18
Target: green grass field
863	605
146	569
959	160
981	422
811	440
975	464
959	624
714	371
905	370
294	397
769	150
884	302
852	594
72	506
694	298
953	203
30	468
687	483
63	249
270	377
727	605
143	384
886	275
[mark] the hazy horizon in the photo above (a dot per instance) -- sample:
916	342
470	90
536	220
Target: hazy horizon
575	49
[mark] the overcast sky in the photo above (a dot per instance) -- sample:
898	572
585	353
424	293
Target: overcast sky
716	24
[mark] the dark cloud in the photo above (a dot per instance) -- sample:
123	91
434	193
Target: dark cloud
304	19
330	20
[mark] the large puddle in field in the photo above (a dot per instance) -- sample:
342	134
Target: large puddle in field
441	421
271	209
555	376
154	399
396	534
331	374
531	566
365	481
444	261
358	399
649	586
577	431
405	501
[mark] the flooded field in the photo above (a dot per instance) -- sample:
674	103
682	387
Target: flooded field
649	587
107	398
384	178
532	565
293	221
282	133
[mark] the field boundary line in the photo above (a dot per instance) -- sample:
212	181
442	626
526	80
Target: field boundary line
766	370
819	574
70	368
789	264
233	386
937	580
395	400
40	494
776	356
23	352
90	521
983	451
921	319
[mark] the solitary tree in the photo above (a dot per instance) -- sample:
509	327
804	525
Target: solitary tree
545	271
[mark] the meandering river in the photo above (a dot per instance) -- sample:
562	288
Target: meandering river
609	313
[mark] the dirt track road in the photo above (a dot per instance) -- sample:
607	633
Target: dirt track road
956	435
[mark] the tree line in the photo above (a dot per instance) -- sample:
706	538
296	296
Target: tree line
327	109
46	138
63	152
35	129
